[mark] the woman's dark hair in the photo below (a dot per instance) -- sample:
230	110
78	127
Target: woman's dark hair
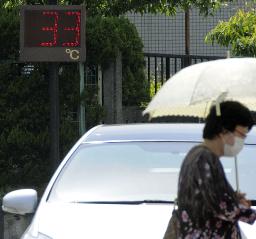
233	113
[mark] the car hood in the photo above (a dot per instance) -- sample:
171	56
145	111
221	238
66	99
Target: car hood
97	221
248	231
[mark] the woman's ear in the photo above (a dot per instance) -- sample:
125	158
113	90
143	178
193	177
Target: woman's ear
228	138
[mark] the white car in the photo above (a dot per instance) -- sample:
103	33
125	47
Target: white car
120	181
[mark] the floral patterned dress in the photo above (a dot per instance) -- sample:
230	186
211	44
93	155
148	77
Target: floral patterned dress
208	207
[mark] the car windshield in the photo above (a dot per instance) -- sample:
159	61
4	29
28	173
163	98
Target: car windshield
126	172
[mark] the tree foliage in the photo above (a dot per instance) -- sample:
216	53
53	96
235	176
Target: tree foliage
239	33
105	37
119	7
24	125
9	37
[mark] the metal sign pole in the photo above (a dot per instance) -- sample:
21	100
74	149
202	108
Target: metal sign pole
54	114
82	104
54	110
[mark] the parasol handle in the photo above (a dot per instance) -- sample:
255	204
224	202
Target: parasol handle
236	173
218	100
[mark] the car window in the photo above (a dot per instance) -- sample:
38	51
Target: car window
246	162
127	171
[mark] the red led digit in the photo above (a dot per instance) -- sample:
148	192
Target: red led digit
76	28
53	28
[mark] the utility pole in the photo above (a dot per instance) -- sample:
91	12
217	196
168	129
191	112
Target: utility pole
187	60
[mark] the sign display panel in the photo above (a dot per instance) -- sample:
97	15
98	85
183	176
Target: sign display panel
52	33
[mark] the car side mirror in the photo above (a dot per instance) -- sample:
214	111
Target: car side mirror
23	201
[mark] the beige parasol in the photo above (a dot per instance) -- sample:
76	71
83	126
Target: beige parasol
192	91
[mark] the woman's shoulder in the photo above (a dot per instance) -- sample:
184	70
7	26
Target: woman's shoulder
200	148
200	151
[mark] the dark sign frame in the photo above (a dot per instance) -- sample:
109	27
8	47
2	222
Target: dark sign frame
52	33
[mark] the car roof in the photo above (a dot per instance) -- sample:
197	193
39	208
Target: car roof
152	132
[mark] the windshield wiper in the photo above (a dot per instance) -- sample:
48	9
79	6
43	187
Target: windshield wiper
136	202
253	202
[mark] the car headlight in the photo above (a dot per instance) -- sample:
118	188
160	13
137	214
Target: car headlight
39	236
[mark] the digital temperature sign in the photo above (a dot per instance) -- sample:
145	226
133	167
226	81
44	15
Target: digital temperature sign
51	33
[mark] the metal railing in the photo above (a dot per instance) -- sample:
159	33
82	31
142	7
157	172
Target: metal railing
160	67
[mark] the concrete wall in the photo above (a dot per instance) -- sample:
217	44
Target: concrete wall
112	91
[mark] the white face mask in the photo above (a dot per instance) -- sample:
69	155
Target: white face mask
233	150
